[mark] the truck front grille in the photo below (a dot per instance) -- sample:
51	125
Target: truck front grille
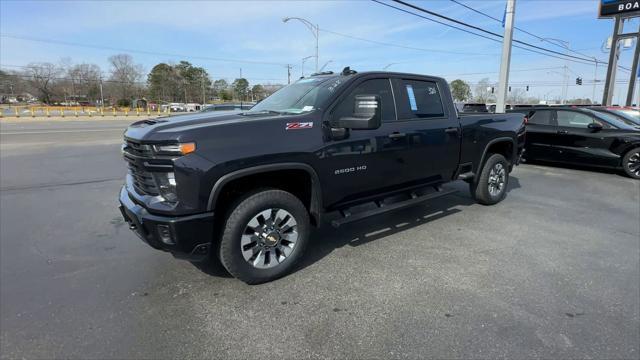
136	155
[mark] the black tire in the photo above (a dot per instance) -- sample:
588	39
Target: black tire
631	163
241	213
480	187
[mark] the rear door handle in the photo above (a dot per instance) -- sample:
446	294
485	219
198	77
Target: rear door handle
397	135
451	130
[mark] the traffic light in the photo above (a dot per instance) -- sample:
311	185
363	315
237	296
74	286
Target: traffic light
509	88
578	81
527	87
493	89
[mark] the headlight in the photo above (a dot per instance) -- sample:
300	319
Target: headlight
167	185
175	149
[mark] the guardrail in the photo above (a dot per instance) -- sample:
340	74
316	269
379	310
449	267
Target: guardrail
76	111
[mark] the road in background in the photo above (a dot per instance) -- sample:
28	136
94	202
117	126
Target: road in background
551	272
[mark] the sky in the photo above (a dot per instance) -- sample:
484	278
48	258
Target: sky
227	36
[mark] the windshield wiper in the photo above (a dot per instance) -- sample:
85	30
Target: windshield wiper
249	113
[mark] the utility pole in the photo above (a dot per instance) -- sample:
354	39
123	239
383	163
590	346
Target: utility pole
610	81
204	96
506	56
240	73
101	95
634	73
288	74
595	81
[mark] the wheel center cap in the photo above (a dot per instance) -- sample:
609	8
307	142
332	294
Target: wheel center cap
272	238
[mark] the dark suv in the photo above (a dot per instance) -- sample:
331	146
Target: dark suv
582	136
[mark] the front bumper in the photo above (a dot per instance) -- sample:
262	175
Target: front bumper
186	237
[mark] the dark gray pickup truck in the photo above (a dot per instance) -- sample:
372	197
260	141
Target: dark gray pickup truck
247	188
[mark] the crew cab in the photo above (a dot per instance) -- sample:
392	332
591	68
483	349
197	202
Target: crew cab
248	188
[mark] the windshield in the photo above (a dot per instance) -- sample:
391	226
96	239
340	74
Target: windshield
303	96
613	120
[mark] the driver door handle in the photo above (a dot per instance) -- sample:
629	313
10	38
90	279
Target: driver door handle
397	135
451	130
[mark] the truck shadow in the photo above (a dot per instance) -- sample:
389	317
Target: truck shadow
325	240
328	238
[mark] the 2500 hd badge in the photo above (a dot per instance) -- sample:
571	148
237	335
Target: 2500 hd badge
350	170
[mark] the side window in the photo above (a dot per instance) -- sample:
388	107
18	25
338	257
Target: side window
540	117
573	119
419	99
380	87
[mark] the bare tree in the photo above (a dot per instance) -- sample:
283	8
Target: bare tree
43	78
125	74
483	92
86	80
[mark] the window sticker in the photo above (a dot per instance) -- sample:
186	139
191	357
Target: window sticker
431	90
412	98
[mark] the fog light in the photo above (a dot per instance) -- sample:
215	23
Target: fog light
167	186
165	234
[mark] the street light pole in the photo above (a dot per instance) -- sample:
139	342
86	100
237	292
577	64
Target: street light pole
567	47
315	30
303	61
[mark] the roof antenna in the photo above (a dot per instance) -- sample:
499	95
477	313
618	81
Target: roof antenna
348	71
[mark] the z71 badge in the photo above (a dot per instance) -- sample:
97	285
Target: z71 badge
299	125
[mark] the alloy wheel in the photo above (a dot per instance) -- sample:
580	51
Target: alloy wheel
634	163
497	179
269	238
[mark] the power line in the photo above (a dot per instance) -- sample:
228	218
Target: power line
519	70
518	28
102	47
561	55
402	46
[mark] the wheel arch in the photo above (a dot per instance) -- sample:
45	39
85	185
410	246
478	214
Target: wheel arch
314	202
503	145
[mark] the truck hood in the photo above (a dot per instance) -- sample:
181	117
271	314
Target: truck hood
165	128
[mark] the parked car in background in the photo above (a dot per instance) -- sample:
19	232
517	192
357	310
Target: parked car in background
227	107
474	108
581	136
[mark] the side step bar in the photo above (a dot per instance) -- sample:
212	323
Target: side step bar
383	208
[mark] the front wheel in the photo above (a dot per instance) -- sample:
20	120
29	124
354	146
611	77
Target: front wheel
490	187
264	235
631	163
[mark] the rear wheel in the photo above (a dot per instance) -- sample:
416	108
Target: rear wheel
490	187
264	235
631	163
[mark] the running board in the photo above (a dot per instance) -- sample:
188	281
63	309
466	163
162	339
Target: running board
383	208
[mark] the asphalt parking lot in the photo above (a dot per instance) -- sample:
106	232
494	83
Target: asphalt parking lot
551	272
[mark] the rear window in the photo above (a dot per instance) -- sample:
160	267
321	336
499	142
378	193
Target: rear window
419	99
540	117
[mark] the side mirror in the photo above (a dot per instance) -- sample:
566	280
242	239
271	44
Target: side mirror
366	114
595	126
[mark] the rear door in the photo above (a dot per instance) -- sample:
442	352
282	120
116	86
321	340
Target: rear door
541	134
433	132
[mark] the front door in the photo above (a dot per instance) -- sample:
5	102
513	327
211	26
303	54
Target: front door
358	163
579	144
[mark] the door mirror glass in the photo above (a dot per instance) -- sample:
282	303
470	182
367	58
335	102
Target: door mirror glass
595	126
366	114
